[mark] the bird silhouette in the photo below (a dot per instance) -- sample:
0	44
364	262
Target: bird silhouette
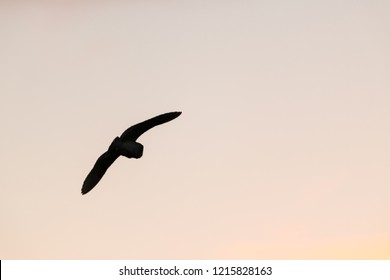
125	145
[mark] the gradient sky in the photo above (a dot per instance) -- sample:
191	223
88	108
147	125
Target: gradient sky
282	150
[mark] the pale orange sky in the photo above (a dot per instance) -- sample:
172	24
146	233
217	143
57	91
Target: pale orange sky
282	150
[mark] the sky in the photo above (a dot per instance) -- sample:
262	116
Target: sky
281	152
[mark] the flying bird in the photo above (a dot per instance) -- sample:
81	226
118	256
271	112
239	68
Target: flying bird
125	145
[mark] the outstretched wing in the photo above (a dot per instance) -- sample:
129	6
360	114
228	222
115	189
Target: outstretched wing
135	131
98	170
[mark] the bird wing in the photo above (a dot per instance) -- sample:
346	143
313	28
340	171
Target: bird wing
135	131
98	170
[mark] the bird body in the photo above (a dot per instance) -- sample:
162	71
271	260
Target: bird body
125	145
129	149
